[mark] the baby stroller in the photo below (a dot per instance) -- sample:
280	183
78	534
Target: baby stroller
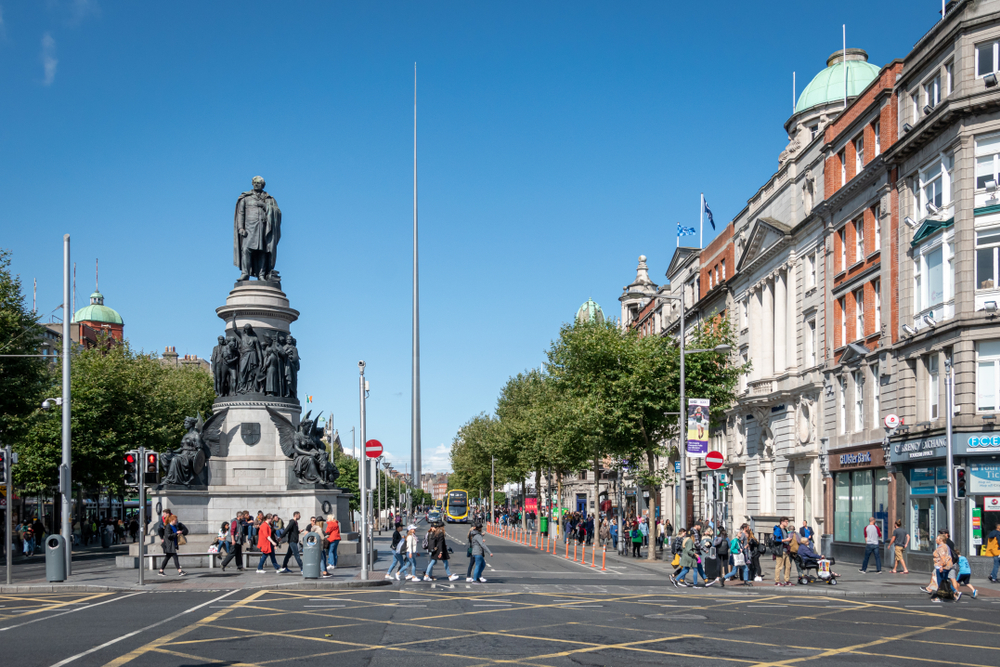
821	566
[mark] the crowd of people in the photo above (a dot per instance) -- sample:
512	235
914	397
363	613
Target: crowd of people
406	549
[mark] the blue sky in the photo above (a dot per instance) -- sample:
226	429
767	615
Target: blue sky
558	141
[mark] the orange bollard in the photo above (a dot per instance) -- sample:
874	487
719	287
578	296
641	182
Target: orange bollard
593	555
567	548
603	556
574	551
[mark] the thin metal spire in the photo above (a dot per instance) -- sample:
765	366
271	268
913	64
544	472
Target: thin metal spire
415	407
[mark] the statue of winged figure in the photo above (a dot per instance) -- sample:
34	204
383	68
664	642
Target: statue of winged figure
186	465
311	463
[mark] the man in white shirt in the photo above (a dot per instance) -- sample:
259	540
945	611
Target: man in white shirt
873	537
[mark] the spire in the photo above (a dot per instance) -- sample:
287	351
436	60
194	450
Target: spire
642	273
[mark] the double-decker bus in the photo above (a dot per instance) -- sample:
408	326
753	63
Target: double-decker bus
456	508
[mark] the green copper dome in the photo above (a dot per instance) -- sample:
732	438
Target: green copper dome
828	85
98	312
590	312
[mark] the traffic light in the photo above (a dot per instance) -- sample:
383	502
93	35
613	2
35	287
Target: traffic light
3	466
152	468
131	468
961	481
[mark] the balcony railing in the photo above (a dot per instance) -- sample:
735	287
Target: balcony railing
758	387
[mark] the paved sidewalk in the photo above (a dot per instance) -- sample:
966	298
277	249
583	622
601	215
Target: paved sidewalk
850	582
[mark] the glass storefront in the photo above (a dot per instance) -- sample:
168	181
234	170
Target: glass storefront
928	490
859	496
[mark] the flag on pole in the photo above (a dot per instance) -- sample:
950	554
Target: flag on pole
684	231
309	399
708	212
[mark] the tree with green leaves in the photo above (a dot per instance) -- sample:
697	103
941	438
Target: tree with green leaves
24	379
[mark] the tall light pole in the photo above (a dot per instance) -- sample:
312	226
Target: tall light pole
949	385
65	476
363	477
415	406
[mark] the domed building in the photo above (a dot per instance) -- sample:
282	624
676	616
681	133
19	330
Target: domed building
590	312
95	319
823	98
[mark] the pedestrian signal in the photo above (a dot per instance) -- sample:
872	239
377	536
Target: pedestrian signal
152	468
961	482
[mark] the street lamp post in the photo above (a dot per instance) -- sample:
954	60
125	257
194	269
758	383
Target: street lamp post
682	417
65	470
363	478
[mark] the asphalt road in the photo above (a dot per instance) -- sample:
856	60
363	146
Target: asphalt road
535	609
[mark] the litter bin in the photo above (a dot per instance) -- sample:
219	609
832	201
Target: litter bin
312	554
543	524
55	558
107	536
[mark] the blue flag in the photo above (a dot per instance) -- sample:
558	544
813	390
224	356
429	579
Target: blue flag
684	231
708	212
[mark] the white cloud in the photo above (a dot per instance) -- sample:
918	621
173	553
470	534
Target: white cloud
49	60
439	461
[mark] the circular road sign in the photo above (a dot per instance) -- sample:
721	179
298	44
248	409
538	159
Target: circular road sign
373	449
714	460
891	421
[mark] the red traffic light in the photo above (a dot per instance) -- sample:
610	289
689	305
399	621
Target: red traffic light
130	458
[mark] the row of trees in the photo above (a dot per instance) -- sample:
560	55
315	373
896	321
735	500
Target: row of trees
121	398
607	395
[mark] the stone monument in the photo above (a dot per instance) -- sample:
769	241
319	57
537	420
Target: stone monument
253	452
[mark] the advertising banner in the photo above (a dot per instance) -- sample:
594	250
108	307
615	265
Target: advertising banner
697	436
985	478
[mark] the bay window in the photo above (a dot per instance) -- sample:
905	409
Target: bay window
933	275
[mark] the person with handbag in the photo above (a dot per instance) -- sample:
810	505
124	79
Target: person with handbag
172	536
738	552
291	536
333	537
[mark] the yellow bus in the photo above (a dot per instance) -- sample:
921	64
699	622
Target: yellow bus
456	509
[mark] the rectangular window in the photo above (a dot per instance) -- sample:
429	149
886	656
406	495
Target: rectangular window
933	386
859	239
915	101
933	279
810	343
932	92
876	398
744	313
949	79
813	131
935	185
810	270
859	313
987	160
842	301
877	132
987	372
987	249
986	58
859	154
842	156
859	400
843	405
842	234
877	289
877	214
723	269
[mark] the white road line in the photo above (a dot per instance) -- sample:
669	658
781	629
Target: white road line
322	606
580	606
767	605
89	606
135	632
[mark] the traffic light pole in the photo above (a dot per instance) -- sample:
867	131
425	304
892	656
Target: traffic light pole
142	515
949	384
66	478
8	542
363	479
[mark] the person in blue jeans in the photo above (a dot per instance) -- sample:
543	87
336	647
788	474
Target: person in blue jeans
993	549
479	551
873	537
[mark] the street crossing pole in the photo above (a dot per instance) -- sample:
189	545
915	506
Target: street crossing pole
8	477
141	467
66	478
363	477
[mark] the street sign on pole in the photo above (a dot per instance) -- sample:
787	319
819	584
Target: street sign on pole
373	449
714	460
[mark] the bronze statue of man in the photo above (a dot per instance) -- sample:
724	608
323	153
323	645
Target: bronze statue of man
256	232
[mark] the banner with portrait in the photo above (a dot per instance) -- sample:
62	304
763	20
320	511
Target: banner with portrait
697	435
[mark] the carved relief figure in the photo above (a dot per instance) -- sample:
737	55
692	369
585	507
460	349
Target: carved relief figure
186	465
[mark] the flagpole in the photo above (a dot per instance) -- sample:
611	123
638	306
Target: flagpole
845	65
701	223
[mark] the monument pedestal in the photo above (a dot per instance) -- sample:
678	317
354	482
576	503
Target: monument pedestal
248	469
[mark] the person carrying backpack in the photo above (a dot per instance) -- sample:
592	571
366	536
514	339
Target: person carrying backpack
398	547
478	551
781	539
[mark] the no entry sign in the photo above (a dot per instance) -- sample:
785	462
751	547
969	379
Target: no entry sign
373	449
714	460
